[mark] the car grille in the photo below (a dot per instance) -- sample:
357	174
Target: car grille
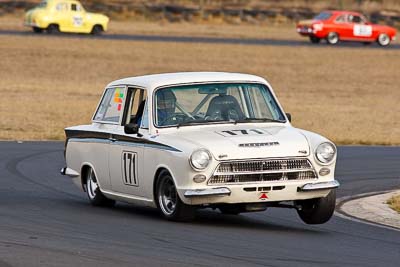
263	170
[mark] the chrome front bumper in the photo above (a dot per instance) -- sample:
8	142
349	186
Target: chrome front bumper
220	191
224	191
319	186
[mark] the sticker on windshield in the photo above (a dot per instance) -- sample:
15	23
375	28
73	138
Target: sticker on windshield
118	97
362	30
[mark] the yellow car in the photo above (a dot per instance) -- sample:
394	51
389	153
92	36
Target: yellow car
56	16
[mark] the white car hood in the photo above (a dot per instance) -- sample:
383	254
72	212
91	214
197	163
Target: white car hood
248	141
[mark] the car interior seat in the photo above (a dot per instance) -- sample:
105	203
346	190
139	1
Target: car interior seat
224	107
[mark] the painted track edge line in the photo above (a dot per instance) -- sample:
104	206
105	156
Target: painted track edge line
344	215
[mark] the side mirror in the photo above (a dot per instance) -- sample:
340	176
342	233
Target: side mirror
131	128
289	116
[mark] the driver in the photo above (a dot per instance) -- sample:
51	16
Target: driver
166	103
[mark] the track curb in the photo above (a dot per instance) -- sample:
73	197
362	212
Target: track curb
356	208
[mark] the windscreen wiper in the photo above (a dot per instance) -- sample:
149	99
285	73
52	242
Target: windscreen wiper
258	120
188	123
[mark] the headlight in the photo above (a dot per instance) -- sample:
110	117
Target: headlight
325	153
318	27
200	159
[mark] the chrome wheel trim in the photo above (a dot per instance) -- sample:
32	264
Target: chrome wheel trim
91	185
167	196
333	38
383	39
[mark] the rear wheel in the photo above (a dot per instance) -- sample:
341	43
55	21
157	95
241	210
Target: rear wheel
383	39
168	201
314	39
93	192
53	29
318	210
37	30
332	38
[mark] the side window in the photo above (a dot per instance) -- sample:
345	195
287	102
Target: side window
357	19
74	7
62	7
137	104
145	117
110	108
341	19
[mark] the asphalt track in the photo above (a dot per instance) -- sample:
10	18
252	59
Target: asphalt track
205	40
46	221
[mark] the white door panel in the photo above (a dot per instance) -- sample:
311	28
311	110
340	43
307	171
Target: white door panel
126	164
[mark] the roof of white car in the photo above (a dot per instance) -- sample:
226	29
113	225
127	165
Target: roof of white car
153	81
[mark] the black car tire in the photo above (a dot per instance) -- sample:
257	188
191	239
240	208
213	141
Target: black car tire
37	30
97	30
332	38
318	210
314	39
96	197
383	39
53	29
168	202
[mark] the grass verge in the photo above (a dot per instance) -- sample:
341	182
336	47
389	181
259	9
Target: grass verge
349	95
394	203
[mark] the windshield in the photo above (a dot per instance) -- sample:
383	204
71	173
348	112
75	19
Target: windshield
42	4
323	16
215	103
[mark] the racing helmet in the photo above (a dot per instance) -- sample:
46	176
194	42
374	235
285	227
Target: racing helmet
166	100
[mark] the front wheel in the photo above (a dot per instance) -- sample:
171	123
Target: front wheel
332	38
168	201
93	192
318	210
37	30
314	39
53	29
383	39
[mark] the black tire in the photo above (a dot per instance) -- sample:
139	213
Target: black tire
97	30
53	29
93	191
383	39
332	38
319	210
37	30
231	209
314	39
168	202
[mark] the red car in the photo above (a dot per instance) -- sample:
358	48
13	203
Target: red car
335	26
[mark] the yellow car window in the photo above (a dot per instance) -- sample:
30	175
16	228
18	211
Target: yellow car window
62	7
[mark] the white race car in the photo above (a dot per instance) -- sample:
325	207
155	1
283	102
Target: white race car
184	141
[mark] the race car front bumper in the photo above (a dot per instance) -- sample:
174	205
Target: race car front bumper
252	193
220	191
319	186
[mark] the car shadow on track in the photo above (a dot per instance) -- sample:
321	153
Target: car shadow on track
208	217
